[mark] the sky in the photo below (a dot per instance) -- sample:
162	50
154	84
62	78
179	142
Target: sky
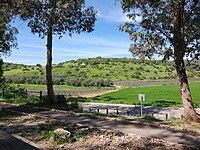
105	41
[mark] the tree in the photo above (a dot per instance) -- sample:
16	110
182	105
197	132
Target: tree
56	17
7	32
170	28
2	79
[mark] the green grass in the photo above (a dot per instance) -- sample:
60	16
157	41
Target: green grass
60	139
164	95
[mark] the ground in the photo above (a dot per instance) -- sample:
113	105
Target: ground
100	93
34	129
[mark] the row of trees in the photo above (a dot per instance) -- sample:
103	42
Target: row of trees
73	81
169	28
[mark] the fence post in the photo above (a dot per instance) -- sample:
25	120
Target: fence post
128	113
152	115
14	93
166	116
26	94
117	111
41	95
3	93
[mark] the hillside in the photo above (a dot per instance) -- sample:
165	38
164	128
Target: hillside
98	69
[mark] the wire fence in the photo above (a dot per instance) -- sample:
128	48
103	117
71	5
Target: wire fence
13	93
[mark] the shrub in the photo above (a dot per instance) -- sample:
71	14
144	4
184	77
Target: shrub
138	73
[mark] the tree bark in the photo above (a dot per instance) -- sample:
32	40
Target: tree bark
189	110
49	81
179	53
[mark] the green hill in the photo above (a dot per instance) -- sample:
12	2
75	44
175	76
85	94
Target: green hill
97	70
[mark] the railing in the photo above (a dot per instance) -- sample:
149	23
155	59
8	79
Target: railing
125	112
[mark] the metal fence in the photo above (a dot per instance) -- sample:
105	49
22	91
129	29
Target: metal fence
12	93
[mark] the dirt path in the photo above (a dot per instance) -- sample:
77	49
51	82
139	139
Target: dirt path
114	125
100	93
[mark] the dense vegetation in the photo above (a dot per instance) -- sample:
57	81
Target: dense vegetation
96	71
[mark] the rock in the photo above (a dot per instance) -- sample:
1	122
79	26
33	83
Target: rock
61	99
62	146
51	139
62	132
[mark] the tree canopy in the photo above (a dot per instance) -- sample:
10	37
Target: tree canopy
153	28
7	32
56	17
65	17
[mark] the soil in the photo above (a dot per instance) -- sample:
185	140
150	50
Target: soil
100	93
33	129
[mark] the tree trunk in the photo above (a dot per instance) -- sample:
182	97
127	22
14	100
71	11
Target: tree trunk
49	81
179	53
189	110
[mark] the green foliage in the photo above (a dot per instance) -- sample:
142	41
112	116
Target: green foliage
71	81
59	139
159	24
7	32
55	137
112	69
61	16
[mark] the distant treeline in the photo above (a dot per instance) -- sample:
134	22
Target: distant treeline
73	81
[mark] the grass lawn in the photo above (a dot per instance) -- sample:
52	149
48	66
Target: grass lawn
164	95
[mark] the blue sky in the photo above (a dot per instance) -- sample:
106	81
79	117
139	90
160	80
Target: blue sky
105	41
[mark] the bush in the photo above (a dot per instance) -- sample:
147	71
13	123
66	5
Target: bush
38	65
138	73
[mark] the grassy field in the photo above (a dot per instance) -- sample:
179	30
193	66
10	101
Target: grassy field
163	95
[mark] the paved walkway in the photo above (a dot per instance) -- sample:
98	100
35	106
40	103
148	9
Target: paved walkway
125	127
157	112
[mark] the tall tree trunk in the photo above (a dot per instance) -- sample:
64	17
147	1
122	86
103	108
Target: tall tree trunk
189	110
49	81
179	53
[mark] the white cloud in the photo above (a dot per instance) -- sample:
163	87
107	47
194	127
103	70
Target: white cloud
113	15
126	19
28	45
116	15
19	61
96	41
92	52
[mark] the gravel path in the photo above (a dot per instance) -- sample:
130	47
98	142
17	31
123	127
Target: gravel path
125	127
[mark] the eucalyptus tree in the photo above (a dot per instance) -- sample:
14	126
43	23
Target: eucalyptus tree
7	32
169	28
2	79
56	17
